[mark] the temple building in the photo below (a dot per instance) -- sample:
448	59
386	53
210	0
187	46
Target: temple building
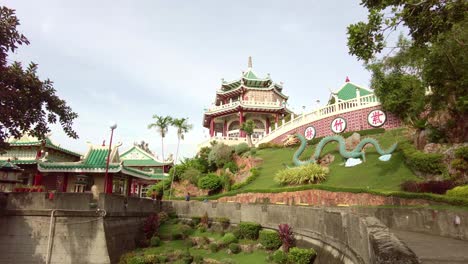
26	152
247	98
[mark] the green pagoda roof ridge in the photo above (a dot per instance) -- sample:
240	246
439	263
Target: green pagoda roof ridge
140	157
27	140
348	91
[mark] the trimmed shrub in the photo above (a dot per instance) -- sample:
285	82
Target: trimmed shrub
249	230
438	187
155	241
214	247
310	173
419	161
254	173
460	191
301	255
279	257
209	182
241	148
227	239
270	239
220	154
235	248
236	232
286	236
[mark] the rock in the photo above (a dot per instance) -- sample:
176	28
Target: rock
432	148
229	252
247	248
326	160
258	246
352	162
420	139
352	141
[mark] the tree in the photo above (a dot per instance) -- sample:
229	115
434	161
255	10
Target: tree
248	128
27	104
434	58
162	124
182	127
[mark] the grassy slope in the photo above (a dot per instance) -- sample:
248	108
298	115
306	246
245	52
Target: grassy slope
373	173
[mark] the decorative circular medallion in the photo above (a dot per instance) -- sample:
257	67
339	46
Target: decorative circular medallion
309	133
338	125
376	118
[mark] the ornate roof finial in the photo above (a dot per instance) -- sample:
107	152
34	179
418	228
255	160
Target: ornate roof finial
250	62
347	79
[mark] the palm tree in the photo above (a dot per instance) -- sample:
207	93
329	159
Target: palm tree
162	124
182	127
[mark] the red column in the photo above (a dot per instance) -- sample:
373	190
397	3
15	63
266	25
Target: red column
65	182
37	179
277	118
225	128
212	127
129	186
267	127
110	183
241	121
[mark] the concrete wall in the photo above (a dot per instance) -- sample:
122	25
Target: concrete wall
349	237
80	233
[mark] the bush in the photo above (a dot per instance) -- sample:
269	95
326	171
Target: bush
209	182
151	226
204	220
163	217
201	229
220	154
179	170
286	235
232	166
241	148
213	247
279	257
270	239
155	241
253	151
225	182
197	259
438	187
249	230
269	145
191	174
310	173
227	239
223	221
301	255
196	220
254	173
235	248
460	191
236	232
419	161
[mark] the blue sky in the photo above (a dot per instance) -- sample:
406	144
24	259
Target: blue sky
124	61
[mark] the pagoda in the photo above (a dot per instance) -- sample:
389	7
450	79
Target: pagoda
247	98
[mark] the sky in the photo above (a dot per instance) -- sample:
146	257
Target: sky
124	61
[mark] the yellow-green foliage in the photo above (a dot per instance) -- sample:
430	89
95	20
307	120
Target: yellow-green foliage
310	173
460	191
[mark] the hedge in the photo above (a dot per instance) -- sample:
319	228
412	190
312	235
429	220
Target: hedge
458	201
249	230
301	255
254	173
270	239
460	191
422	162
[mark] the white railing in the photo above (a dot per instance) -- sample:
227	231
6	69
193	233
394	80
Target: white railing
230	141
320	113
247	103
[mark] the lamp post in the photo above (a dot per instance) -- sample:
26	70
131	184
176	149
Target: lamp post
107	181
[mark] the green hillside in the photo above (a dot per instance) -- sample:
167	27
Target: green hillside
372	174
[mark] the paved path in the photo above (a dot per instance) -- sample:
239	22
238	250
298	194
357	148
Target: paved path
434	249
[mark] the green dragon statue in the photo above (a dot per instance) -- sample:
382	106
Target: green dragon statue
355	153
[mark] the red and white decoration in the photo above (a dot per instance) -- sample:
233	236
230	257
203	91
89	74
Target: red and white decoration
309	133
338	125
376	118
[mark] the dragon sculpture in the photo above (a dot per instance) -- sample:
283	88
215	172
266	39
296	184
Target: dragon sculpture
357	152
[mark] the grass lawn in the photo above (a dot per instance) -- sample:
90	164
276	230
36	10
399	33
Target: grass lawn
373	174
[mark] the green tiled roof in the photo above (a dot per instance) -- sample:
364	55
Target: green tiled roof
96	157
136	163
9	166
349	92
250	75
24	161
75	165
154	176
49	144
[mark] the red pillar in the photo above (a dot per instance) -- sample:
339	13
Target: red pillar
129	186
225	129
37	179
267	126
212	127
277	118
110	183
241	121
65	182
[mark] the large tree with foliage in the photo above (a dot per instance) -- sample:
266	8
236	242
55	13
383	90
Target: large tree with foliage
248	127
27	104
182	126
424	75
161	123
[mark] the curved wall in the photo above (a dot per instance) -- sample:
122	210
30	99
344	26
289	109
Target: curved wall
356	121
347	236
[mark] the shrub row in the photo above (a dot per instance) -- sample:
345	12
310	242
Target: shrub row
254	173
295	255
311	173
249	230
270	239
407	195
460	191
438	187
419	161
